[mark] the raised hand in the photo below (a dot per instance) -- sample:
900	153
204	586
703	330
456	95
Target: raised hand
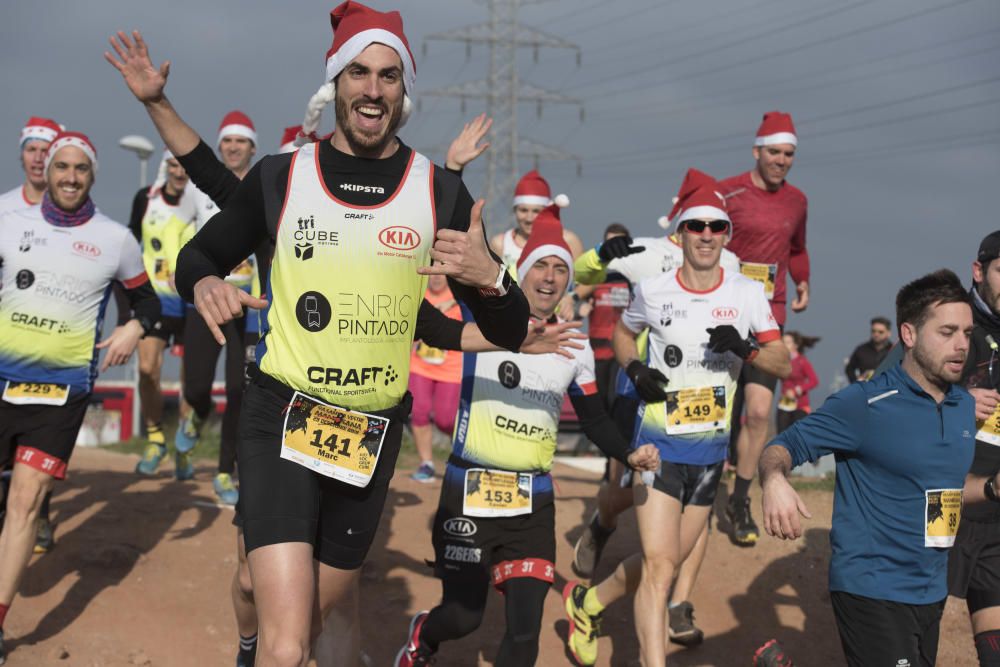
464	256
144	80
466	147
616	247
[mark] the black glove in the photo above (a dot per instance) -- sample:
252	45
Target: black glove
616	247
648	382
726	338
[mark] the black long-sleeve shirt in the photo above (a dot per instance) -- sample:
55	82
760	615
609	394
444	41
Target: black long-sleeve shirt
250	217
865	359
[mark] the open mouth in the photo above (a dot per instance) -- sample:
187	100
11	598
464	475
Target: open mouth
369	116
546	291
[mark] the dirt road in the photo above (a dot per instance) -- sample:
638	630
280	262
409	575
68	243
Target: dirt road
141	575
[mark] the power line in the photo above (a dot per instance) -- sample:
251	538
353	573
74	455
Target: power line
787	51
787	87
808	121
667	156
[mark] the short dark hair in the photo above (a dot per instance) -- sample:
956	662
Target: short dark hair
884	321
616	228
915	299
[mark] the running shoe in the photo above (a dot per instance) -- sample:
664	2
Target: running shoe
183	467
225	490
425	473
151	458
683	631
413	654
188	432
587	553
745	532
44	536
772	654
583	628
247	653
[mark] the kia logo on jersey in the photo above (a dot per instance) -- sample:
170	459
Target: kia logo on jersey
399	238
460	527
725	313
86	249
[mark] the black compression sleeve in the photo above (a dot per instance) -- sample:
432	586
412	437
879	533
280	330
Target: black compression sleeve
209	174
502	320
139	205
144	302
227	239
598	426
437	329
121	303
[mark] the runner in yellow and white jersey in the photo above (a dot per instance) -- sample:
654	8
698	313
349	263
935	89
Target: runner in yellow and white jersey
704	324
496	519
354	220
59	262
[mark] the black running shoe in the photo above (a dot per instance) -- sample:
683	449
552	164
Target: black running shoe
44	537
247	654
745	532
587	553
683	631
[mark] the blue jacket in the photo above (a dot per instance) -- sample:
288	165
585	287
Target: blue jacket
895	449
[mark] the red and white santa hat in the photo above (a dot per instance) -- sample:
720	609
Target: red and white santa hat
288	139
533	190
699	199
237	123
78	139
355	28
776	128
40	129
546	239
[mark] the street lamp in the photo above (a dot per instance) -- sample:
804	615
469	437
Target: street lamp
143	148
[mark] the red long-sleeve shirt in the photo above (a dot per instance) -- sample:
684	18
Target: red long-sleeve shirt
769	229
802	380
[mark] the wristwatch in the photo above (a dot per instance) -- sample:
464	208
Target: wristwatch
500	287
754	348
989	490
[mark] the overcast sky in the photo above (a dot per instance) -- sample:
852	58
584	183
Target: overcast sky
896	104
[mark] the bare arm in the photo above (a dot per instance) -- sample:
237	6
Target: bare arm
773	359
496	244
574	243
541	339
781	504
975	488
147	83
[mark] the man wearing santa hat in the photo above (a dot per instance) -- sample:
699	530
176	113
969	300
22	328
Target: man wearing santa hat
769	237
358	217
705	324
48	351
531	195
36	136
495	522
636	260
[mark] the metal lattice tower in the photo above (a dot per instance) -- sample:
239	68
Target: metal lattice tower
503	92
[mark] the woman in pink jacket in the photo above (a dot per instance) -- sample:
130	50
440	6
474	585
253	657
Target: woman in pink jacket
794	403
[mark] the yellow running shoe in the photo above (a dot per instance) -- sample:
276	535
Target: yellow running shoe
583	628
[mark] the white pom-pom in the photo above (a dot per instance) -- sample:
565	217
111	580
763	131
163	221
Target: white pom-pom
562	201
663	221
674	200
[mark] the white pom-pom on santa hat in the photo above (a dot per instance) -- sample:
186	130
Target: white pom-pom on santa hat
562	201
663	221
355	27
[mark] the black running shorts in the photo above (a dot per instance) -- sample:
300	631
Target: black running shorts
880	632
690	484
753	375
506	547
281	501
974	563
41	436
170	330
